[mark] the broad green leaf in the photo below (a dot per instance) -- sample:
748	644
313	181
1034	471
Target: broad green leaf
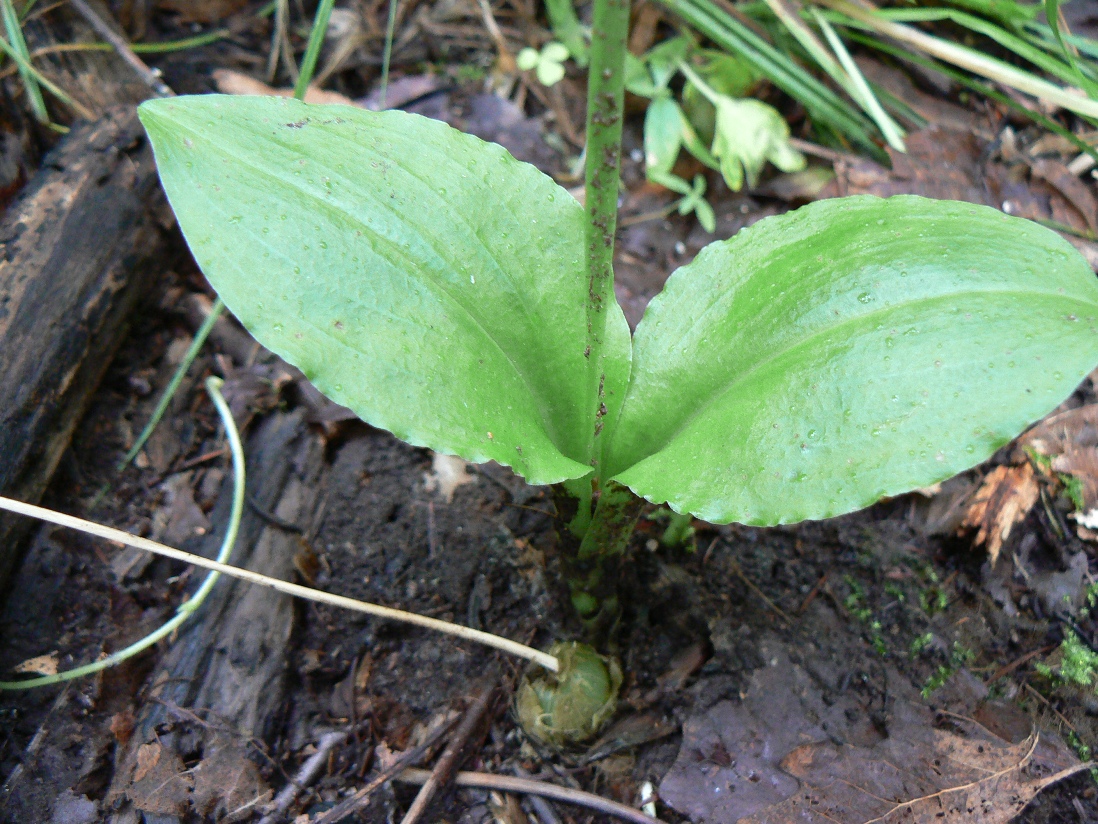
420	276
852	349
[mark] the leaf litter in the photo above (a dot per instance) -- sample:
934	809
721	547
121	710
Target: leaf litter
793	751
794	729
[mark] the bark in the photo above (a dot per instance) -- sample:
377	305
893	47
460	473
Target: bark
77	250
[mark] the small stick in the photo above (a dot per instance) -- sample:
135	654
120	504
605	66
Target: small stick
1007	669
750	585
412	756
444	768
545	812
305	776
151	77
529	786
541	658
812	593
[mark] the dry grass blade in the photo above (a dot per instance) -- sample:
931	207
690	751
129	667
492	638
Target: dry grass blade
466	633
970	59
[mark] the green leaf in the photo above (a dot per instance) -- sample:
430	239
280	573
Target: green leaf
528	59
852	349
418	275
749	133
663	127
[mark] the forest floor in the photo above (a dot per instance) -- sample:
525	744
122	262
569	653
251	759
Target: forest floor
878	664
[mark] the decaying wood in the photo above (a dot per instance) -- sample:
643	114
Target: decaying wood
76	251
96	79
220	687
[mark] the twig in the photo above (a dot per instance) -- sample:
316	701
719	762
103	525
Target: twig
349	805
305	776
151	77
545	812
1006	669
444	768
509	784
762	595
812	593
298	591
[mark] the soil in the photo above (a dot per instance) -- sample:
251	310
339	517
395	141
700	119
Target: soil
893	604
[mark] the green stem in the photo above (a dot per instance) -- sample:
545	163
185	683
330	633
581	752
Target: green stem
188	607
173	386
605	100
594	571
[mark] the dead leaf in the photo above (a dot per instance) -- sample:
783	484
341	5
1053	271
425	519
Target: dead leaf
932	777
202	11
939	163
628	732
148	756
1074	191
448	472
230	82
784	755
122	727
1004	499
39	665
227	785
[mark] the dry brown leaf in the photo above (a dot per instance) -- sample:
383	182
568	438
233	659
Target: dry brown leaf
227	785
39	665
1004	499
939	778
202	11
1075	192
122	726
783	755
230	82
148	756
160	782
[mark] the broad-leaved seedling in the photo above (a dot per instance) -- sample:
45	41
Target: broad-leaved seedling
813	363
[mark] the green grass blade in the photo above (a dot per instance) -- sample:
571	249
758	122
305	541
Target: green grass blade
822	103
893	134
1069	73
977	86
19	47
974	61
312	50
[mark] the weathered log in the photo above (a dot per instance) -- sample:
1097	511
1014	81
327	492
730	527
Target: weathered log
221	684
77	250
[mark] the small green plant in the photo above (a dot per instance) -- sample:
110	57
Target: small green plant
547	64
958	657
920	643
731	135
813	363
1078	663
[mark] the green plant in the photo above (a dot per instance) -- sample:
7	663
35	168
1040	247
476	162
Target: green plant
813	363
958	657
547	64
731	135
1078	663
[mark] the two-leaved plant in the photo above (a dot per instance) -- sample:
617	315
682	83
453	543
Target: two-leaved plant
812	364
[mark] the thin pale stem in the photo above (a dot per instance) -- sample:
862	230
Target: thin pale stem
296	590
605	99
188	607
